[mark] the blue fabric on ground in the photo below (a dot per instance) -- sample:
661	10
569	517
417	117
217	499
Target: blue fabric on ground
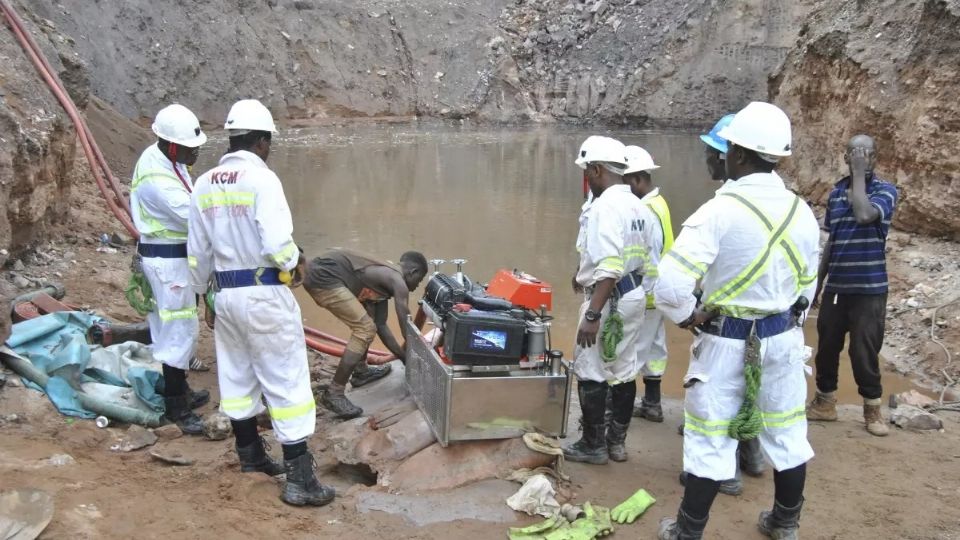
56	344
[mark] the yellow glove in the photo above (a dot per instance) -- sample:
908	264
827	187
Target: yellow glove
629	510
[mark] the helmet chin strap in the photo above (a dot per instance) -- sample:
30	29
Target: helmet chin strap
172	155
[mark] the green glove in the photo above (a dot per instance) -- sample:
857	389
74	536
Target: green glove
629	510
537	531
595	523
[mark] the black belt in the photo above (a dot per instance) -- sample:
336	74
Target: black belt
163	251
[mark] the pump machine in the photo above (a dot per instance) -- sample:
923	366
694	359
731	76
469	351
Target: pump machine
486	370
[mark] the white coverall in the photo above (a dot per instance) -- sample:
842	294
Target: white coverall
160	204
751	267
239	220
652	343
615	239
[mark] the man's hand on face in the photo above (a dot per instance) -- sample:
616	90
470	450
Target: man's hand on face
859	161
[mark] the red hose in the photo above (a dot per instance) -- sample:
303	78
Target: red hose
102	175
116	201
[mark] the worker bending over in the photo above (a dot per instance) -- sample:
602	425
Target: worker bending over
755	247
614	244
652	344
160	204
355	288
241	239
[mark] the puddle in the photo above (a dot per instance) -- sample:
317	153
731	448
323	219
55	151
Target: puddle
501	198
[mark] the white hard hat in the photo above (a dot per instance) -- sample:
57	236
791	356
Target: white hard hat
250	115
175	123
761	127
601	149
638	160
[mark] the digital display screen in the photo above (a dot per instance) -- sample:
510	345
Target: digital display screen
488	340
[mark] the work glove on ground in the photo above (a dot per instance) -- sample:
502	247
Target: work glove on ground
594	524
629	510
537	531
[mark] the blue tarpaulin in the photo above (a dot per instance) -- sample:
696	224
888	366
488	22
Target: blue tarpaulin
56	344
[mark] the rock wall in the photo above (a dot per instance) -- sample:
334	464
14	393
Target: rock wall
37	139
889	69
654	62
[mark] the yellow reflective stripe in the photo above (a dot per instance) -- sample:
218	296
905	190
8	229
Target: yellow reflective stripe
786	245
739	312
783	419
657	366
191	261
167	315
285	255
749	275
153	177
236	404
696	270
228	198
710	428
660	208
293	411
611	263
651	304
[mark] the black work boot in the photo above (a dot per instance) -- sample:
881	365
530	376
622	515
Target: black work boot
591	448
751	458
197	398
365	375
179	412
732	487
781	523
302	487
339	405
682	528
254	458
616	438
648	411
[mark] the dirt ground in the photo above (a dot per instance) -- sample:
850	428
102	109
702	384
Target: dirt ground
859	487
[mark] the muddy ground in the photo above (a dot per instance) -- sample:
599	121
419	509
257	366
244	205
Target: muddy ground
903	486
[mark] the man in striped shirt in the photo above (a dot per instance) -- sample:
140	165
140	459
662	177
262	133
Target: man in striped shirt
853	276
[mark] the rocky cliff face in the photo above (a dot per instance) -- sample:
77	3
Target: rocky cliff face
889	69
655	62
37	139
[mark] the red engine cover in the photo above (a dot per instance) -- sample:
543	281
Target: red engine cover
522	289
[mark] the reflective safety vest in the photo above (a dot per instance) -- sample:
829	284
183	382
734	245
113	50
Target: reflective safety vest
658	205
724	296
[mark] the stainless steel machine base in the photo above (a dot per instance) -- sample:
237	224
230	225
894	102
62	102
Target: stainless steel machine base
461	404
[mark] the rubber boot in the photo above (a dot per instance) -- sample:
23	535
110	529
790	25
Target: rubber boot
873	418
751	458
682	528
254	458
732	487
823	407
591	448
339	405
616	438
649	411
364	374
302	487
781	523
197	398
179	412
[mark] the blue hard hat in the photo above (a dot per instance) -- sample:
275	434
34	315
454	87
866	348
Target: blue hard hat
712	140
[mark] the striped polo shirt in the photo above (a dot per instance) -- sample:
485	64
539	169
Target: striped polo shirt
857	252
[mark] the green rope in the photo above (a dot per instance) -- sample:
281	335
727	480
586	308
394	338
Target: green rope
139	294
610	336
749	421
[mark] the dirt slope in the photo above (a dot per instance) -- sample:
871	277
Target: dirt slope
889	69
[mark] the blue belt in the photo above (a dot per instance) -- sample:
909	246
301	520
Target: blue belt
164	251
231	279
734	328
628	283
